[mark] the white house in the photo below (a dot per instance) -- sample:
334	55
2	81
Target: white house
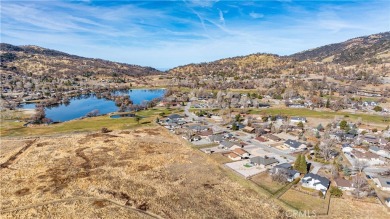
383	183
317	182
296	119
287	169
344	184
369	157
346	148
294	145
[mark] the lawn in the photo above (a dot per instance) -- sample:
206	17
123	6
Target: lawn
305	202
318	114
264	180
15	128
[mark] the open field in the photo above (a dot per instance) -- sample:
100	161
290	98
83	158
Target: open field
16	128
264	180
319	114
347	208
305	202
130	173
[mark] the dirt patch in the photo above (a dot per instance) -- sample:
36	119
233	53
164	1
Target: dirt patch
22	192
100	204
15	156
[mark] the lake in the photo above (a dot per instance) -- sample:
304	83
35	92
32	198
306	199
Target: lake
81	105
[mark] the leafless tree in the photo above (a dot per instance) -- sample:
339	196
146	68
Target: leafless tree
359	183
359	165
326	148
280	176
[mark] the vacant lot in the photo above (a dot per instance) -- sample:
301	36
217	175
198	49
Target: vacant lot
264	180
130	173
304	202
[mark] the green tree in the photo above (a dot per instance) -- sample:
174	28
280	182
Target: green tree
138	118
327	105
303	165
297	162
300	125
238	117
234	127
344	125
378	109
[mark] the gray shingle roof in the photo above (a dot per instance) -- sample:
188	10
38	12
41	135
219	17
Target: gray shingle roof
293	143
323	181
263	160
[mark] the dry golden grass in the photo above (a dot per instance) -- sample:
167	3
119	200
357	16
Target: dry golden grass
347	208
113	175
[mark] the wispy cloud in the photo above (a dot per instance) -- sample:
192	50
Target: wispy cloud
255	15
170	33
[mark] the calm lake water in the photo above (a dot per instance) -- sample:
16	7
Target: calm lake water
81	105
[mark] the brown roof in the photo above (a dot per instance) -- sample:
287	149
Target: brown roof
261	139
239	151
272	137
343	182
231	154
367	155
206	133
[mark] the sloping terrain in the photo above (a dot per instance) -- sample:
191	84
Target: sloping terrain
372	49
371	53
145	172
34	60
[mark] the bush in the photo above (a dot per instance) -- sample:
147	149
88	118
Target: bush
309	157
336	191
378	109
105	130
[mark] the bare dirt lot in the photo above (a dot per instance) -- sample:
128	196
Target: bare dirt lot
138	173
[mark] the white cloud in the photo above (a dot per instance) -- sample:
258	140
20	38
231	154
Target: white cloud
221	18
255	15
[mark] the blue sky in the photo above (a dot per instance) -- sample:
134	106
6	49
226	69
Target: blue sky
165	34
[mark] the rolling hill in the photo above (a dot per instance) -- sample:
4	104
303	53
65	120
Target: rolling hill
34	60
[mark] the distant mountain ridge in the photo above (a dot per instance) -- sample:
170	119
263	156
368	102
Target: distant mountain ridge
37	60
368	50
358	49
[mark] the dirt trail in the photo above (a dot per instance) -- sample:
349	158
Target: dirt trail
14	157
80	199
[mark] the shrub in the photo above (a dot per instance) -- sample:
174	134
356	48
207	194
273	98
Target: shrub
336	191
309	157
105	130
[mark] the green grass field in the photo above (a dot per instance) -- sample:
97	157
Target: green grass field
318	114
11	128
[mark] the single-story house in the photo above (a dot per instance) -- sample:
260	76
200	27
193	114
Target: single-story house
227	144
248	129
287	168
317	182
382	182
294	145
261	139
296	119
347	148
216	138
271	137
205	134
371	158
232	156
263	161
175	117
379	151
241	152
344	184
